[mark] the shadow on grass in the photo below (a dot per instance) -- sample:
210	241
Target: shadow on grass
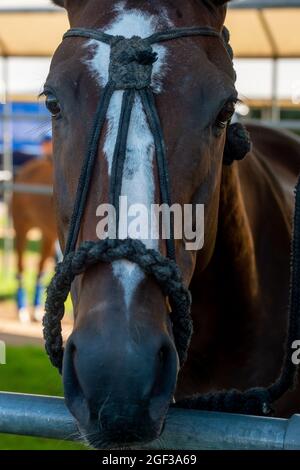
9	296
32	246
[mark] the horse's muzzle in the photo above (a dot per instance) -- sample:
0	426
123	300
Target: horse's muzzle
119	393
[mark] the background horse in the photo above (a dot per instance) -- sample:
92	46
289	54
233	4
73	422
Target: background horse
120	367
34	211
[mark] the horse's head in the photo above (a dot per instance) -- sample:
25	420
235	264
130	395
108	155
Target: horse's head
120	366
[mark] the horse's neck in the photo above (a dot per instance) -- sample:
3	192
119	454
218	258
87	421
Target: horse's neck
228	288
235	238
251	199
240	298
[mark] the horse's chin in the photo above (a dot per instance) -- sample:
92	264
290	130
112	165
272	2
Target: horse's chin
121	439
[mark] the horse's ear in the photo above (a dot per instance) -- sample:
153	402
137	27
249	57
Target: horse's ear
60	3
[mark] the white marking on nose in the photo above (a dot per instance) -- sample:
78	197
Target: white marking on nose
138	177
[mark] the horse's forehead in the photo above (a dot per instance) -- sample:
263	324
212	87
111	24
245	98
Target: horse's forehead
136	21
128	23
129	18
190	10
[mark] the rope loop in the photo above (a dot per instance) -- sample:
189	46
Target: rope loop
164	270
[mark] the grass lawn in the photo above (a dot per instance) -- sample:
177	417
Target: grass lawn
29	371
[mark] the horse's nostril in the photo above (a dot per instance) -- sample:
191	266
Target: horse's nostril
161	355
161	372
73	350
74	395
165	380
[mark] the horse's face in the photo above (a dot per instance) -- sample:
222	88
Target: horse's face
120	366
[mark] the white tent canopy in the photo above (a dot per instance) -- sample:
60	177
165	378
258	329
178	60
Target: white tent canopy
30	28
40	26
266	28
26	4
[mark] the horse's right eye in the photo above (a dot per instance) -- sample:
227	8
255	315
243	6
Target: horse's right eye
226	114
53	105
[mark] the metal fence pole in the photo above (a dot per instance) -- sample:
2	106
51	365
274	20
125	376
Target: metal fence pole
25	188
7	162
184	430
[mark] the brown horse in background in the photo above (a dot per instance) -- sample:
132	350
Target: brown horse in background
33	211
120	368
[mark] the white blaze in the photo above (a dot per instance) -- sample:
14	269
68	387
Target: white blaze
138	176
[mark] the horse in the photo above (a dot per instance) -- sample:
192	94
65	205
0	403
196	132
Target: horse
33	211
120	367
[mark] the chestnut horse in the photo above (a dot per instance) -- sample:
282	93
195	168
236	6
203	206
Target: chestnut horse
120	368
33	211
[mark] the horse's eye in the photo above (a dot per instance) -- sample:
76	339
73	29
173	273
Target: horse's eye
53	105
226	114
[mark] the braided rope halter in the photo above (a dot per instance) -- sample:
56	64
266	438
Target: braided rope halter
130	70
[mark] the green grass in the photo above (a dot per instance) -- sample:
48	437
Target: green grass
29	371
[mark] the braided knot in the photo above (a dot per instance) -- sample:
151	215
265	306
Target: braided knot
131	63
164	271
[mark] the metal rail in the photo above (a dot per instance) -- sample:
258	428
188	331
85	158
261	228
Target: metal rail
292	125
38	189
259	4
184	430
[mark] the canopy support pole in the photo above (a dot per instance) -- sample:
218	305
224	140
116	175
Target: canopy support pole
7	162
275	79
275	54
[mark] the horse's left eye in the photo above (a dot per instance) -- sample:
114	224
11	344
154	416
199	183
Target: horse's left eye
225	115
53	105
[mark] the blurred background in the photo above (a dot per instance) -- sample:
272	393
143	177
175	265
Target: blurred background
265	36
